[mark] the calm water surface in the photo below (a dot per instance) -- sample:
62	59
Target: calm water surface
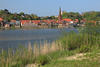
15	38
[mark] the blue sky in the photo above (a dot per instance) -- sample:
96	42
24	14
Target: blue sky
49	7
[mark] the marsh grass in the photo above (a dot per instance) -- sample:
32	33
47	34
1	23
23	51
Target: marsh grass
84	40
23	56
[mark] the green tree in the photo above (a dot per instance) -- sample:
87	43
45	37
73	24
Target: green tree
92	15
71	15
34	17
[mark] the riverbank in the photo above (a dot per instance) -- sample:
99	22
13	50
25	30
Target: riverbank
32	28
51	55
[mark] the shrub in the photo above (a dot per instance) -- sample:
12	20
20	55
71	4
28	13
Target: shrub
42	60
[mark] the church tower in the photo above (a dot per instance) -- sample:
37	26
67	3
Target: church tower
60	16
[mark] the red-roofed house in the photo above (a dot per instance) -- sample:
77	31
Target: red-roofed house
1	19
14	21
94	22
25	21
68	20
1	24
76	20
35	21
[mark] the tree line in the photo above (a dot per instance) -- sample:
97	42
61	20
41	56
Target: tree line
6	15
92	15
89	16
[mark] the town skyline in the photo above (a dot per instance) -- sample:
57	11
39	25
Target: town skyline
49	7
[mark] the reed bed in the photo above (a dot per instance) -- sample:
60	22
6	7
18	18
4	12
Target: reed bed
23	56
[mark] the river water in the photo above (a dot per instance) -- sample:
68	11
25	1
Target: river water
16	38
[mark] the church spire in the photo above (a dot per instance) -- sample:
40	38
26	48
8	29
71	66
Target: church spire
60	16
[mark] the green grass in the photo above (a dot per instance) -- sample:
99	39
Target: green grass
73	63
92	60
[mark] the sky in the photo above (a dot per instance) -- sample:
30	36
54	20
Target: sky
49	7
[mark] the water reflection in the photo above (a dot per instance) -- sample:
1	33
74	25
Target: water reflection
14	38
